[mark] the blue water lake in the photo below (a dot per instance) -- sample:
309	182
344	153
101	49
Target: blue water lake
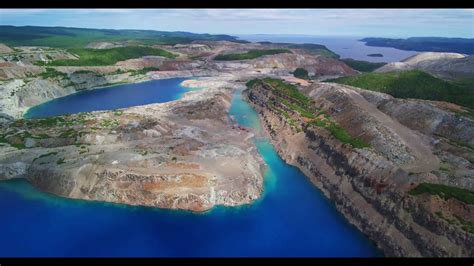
345	46
292	218
114	97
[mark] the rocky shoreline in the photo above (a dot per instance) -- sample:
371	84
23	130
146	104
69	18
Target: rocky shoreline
369	190
166	155
19	95
365	151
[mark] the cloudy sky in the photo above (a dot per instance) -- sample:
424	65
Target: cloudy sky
324	22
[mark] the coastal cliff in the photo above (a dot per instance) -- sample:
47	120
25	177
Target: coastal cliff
362	159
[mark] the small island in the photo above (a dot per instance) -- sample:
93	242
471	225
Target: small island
375	55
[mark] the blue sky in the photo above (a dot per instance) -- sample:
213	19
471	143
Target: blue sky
324	22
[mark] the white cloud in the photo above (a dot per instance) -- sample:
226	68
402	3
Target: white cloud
21	12
241	21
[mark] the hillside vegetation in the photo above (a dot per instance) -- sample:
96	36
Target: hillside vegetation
79	37
92	57
301	73
312	48
362	66
251	54
412	84
289	97
467	83
446	192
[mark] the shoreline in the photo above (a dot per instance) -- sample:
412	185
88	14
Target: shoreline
212	88
316	183
147	78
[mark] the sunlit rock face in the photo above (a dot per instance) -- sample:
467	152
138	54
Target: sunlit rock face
184	154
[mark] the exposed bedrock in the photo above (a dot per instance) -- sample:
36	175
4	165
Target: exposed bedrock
369	185
183	154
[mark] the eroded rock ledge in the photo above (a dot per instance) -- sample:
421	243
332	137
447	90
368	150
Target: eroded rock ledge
368	184
183	154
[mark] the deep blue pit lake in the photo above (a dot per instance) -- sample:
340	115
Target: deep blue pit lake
109	98
292	218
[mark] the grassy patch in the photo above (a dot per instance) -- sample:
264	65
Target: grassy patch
467	83
303	110
412	84
466	225
3	139
288	95
118	71
65	120
445	192
457	220
60	161
251	54
301	73
461	144
109	123
288	90
52	73
104	57
17	140
285	114
144	152
48	122
87	72
465	112
118	112
82	148
69	133
143	71
341	134
362	66
19	146
444	167
338	132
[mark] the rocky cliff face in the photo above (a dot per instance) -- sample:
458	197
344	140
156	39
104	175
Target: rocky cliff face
5	49
428	117
184	154
367	184
316	65
17	95
449	66
9	70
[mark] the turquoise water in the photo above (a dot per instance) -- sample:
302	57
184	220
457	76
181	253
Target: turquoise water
292	218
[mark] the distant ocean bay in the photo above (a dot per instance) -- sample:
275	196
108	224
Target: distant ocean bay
346	47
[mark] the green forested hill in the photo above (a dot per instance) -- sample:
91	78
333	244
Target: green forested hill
424	44
362	66
104	57
413	84
250	54
79	37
